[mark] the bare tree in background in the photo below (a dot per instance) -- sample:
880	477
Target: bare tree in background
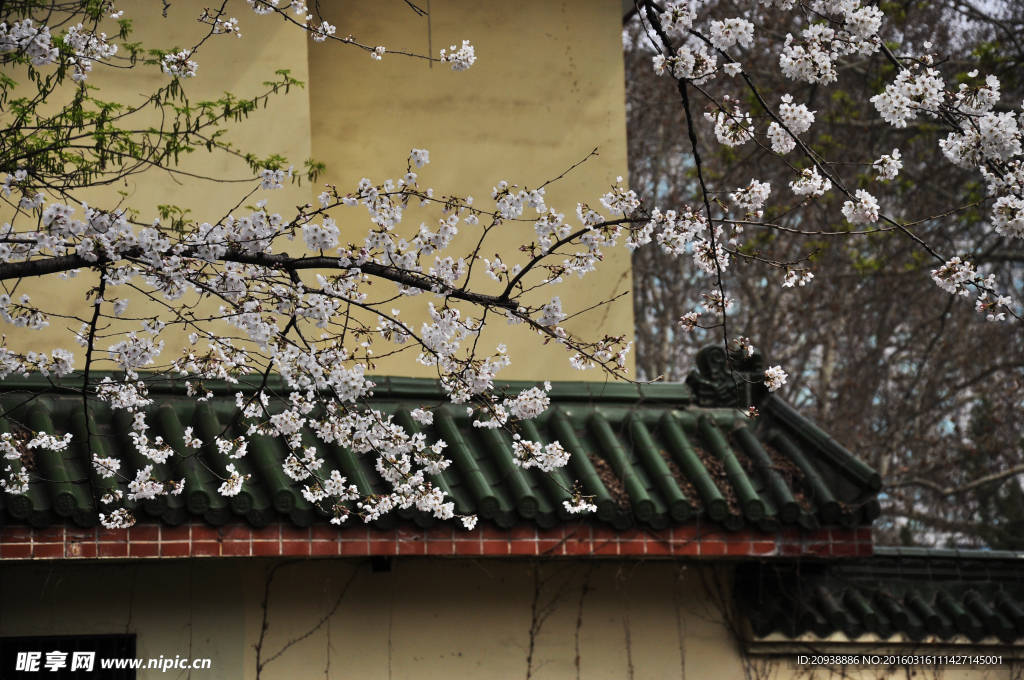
900	372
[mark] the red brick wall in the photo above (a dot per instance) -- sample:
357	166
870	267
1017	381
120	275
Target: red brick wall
198	539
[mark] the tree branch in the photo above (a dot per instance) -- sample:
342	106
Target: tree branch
956	490
63	263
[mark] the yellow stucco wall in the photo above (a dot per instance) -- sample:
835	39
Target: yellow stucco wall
547	88
426	618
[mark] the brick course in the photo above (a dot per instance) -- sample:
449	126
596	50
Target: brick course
197	539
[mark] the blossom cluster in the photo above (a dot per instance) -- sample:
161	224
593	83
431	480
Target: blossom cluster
688	64
179	65
797	119
461	58
24	36
732	129
87	46
677	18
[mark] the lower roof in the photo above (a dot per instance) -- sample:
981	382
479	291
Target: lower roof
922	596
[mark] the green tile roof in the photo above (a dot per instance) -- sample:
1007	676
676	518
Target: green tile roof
917	593
649	454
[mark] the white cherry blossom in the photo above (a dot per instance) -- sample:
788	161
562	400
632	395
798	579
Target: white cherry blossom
889	165
179	65
725	34
863	210
774	378
461	58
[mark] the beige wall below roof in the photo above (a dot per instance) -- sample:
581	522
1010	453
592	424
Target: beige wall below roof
424	619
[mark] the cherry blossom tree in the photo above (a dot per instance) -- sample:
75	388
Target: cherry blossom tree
310	318
876	352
